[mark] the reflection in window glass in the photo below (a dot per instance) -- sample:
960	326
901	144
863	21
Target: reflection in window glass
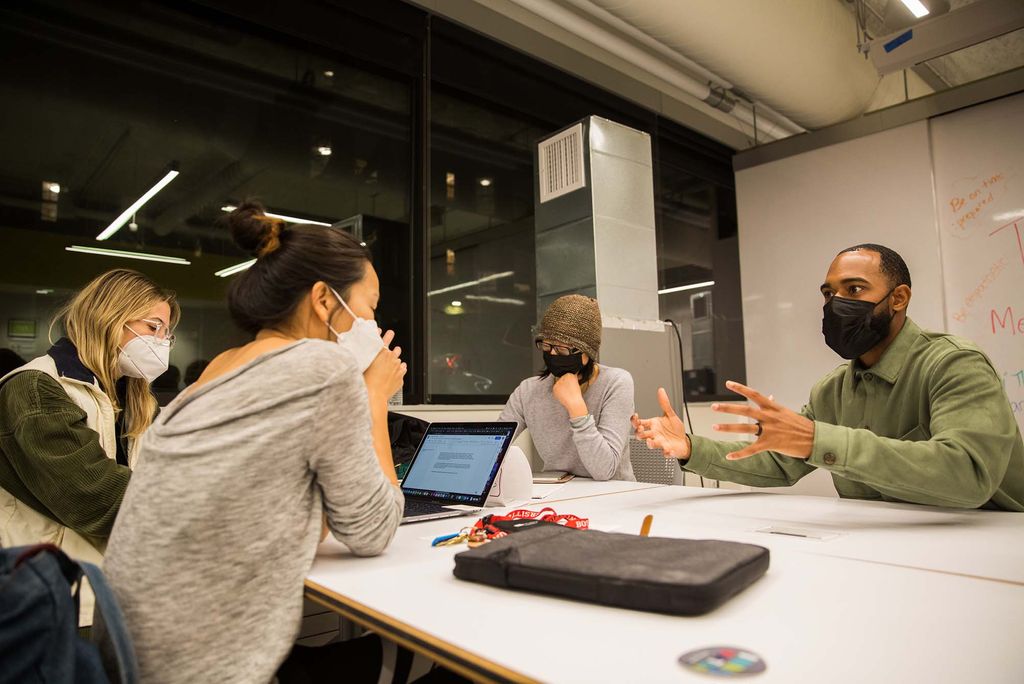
481	285
698	265
104	103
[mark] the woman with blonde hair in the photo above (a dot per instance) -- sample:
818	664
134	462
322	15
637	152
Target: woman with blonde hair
70	420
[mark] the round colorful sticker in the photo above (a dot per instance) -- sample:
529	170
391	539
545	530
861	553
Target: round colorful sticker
725	661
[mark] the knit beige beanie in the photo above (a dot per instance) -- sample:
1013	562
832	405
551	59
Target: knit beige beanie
575	321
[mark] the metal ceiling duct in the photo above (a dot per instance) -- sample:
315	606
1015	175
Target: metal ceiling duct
799	57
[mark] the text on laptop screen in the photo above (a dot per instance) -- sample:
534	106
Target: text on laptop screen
457	460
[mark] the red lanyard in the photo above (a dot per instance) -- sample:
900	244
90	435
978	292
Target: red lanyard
485	525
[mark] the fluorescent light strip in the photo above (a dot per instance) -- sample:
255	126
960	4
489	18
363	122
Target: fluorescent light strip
143	256
916	8
284	217
681	288
496	300
232	270
471	283
130	211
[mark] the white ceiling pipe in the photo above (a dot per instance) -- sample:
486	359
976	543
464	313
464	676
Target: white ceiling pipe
799	57
577	25
742	111
636	34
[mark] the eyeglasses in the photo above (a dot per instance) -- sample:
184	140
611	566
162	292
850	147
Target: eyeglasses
556	349
159	330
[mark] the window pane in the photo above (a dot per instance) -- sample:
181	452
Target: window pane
698	263
104	103
481	295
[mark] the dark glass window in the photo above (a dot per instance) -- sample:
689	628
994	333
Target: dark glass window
698	260
104	103
325	111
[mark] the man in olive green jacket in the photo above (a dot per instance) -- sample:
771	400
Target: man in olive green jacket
915	416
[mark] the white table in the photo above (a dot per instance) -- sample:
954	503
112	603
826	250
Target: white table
881	601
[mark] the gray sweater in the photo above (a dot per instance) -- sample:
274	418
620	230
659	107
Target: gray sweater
222	517
600	447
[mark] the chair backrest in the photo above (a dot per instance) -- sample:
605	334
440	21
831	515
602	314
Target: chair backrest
525	442
650	465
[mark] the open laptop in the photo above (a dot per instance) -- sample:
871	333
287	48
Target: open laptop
454	465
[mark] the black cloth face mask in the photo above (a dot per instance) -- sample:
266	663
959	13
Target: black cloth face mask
851	327
559	365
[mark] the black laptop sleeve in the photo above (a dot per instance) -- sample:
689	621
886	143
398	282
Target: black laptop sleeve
676	576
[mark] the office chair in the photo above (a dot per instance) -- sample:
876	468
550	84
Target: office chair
650	465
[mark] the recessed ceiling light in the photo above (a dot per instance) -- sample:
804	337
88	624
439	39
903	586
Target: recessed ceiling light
232	270
682	288
136	205
53	187
916	8
456	302
324	150
486	182
228	208
471	283
143	256
329	74
44	291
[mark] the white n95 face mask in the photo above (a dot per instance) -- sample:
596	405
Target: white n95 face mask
144	357
362	339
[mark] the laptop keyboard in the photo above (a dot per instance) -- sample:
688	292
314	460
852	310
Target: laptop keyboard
415	507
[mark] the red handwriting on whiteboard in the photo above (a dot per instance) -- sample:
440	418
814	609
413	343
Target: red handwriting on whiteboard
1017	225
975	295
966	209
1006	321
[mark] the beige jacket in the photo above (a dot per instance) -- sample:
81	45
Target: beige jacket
21	524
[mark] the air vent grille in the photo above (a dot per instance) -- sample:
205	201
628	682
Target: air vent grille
561	163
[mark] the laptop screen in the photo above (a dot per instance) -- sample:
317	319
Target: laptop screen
457	462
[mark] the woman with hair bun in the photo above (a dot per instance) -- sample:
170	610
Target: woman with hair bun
276	439
71	419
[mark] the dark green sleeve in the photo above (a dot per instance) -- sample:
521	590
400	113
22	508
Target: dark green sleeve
973	435
766	469
51	460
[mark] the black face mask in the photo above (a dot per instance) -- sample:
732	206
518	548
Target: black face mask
559	365
851	327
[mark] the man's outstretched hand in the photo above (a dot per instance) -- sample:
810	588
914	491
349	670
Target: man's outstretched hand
667	433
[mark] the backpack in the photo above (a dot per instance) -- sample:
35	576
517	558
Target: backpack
39	638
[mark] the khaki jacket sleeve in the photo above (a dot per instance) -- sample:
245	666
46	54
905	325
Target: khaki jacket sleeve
766	469
958	459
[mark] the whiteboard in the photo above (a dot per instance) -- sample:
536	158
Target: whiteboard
795	215
978	161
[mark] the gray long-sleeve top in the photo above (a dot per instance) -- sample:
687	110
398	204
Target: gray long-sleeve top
222	517
600	447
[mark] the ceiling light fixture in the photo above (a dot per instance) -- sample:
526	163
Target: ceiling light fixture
916	8
329	74
228	208
497	300
471	283
130	211
681	288
324	150
456	302
53	187
143	256
486	182
44	291
232	270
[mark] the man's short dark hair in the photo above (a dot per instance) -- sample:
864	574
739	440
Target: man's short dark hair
892	264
